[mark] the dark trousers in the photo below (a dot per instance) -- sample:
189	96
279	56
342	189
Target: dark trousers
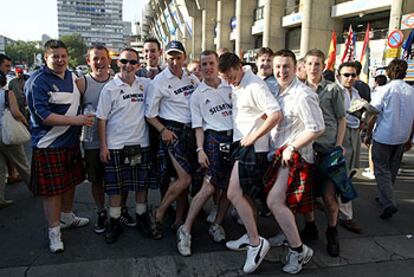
387	159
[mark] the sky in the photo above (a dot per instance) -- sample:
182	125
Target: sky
30	19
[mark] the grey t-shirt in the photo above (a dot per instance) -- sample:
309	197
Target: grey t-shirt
331	101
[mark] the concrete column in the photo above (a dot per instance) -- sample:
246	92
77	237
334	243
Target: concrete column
196	17
244	23
225	10
273	33
209	15
395	15
306	27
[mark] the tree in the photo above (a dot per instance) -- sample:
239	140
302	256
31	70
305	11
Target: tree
23	52
76	49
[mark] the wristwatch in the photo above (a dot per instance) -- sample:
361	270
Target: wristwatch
291	148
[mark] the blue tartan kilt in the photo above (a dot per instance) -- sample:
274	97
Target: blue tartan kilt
120	177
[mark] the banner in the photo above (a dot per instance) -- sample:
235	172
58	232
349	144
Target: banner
365	56
349	55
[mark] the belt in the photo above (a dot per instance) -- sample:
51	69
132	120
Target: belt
175	124
222	133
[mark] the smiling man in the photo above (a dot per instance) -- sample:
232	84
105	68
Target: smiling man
54	103
264	63
124	143
152	52
168	110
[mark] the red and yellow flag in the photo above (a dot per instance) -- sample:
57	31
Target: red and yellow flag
330	64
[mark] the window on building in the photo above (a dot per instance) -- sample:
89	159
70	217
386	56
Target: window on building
258	41
293	38
258	13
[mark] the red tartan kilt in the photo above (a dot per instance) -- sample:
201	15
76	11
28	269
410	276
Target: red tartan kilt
56	170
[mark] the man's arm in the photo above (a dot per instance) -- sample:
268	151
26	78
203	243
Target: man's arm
81	84
341	132
271	121
202	156
63	120
104	151
166	135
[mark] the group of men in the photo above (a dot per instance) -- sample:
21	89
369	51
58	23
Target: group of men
268	136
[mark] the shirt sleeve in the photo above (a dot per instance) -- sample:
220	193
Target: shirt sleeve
196	117
152	101
104	104
310	113
38	101
264	99
338	102
377	99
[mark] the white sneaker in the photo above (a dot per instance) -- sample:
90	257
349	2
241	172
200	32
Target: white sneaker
295	260
255	255
368	175
73	221
217	232
55	240
238	245
183	242
278	240
212	215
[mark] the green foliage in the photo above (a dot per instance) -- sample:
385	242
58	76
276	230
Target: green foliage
22	52
76	49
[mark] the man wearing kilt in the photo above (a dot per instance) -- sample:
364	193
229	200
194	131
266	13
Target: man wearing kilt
124	143
255	113
54	103
168	110
289	179
211	117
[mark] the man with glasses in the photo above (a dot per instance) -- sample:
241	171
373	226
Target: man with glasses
347	74
168	110
124	143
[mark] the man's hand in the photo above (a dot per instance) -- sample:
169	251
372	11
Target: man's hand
286	156
86	120
368	140
203	159
247	141
168	136
342	148
104	155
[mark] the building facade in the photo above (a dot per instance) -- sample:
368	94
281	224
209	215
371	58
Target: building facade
243	26
97	21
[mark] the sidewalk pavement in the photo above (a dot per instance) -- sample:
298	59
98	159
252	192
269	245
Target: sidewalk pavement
384	247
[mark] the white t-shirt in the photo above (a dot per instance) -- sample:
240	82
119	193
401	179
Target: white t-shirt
122	106
211	108
169	96
251	100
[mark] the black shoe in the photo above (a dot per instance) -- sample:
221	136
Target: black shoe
144	225
388	212
333	243
100	225
126	219
157	230
309	233
114	230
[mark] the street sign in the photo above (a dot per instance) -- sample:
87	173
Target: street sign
391	53
395	39
407	21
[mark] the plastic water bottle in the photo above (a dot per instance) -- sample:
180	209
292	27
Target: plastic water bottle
88	133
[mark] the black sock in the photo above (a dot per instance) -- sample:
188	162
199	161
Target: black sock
298	249
332	229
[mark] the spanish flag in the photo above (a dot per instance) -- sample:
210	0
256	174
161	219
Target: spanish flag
330	64
365	55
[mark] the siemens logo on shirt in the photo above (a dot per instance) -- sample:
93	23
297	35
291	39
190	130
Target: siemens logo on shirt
135	97
187	90
225	109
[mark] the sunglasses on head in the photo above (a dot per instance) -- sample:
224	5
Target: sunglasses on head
349	74
131	62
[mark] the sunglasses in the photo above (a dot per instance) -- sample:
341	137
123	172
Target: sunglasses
347	75
131	62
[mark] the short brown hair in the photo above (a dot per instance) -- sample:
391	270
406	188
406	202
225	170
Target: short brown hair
97	47
129	49
316	53
227	61
208	53
265	50
397	69
286	53
55	44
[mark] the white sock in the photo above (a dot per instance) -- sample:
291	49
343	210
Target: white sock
115	212
54	229
141	208
67	217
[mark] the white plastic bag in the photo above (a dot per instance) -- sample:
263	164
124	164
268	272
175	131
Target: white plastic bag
12	131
